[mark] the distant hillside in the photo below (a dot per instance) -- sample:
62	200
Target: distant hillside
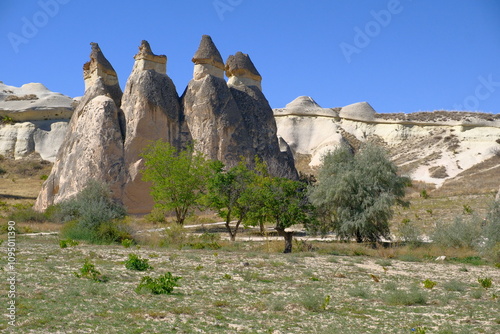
454	151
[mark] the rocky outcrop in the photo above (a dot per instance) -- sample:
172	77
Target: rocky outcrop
432	147
92	149
152	111
211	114
244	83
34	102
99	69
34	120
110	129
93	145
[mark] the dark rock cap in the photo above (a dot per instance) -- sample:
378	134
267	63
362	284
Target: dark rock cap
241	65
97	59
207	53
146	53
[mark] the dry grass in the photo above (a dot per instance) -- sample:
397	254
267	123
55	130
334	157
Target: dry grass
245	291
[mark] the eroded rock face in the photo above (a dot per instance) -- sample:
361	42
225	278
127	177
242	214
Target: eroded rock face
433	147
152	111
92	149
211	114
100	69
39	119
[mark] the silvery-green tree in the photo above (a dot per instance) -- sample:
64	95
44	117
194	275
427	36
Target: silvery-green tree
355	193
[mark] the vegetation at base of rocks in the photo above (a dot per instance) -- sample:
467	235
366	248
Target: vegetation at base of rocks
134	262
93	216
178	178
163	284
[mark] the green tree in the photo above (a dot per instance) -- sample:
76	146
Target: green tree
281	201
178	178
229	192
355	193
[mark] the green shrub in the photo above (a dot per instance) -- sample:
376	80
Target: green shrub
136	263
127	243
2	171
428	284
27	214
485	282
44	177
410	233
64	243
89	271
460	233
92	215
162	285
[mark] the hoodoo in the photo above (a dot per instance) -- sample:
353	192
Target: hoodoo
151	110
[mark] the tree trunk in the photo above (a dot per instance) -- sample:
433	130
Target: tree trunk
262	228
359	237
288	239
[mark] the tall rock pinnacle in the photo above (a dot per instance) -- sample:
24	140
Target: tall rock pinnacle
241	71
152	111
244	83
99	67
211	115
207	60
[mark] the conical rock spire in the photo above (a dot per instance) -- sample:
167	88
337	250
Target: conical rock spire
208	60
241	71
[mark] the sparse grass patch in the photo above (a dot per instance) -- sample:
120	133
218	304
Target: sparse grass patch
454	285
414	296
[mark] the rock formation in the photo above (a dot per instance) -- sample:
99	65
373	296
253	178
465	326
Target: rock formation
99	68
242	72
245	86
211	114
434	147
92	149
110	129
34	120
151	109
93	145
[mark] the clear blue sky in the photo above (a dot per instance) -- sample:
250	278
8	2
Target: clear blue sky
400	56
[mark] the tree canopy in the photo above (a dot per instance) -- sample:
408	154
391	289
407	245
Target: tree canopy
178	178
355	193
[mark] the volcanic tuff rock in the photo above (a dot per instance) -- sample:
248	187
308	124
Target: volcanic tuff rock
40	117
241	71
434	147
258	115
104	142
152	111
211	113
228	121
99	68
92	149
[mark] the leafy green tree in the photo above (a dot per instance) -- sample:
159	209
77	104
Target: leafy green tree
281	201
355	193
178	178
229	192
